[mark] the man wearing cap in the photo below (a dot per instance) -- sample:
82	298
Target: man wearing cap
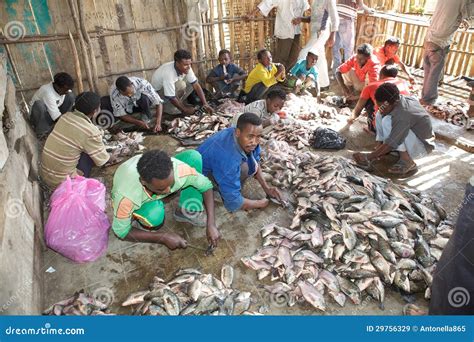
142	182
75	144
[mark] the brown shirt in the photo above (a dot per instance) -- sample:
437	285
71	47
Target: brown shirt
73	134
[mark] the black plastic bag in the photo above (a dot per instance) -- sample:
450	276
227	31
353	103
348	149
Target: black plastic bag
326	138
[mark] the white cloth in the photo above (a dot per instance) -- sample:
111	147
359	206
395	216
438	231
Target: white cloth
287	10
324	19
446	20
166	76
317	43
51	99
123	105
258	108
411	144
324	15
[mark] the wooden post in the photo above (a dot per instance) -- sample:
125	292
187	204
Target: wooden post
82	43
90	49
77	64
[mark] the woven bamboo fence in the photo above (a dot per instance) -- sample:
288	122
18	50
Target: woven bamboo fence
375	29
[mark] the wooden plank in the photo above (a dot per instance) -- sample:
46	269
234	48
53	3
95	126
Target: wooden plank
231	26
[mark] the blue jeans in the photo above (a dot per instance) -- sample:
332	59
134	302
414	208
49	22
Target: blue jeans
345	40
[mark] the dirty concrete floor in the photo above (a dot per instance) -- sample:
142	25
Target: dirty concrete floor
129	267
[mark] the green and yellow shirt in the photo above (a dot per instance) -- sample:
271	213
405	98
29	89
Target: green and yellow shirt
128	194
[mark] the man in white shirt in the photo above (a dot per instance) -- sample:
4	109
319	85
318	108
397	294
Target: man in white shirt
288	35
324	25
446	19
131	100
175	81
49	102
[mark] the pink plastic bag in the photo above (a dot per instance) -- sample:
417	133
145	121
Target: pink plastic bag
77	226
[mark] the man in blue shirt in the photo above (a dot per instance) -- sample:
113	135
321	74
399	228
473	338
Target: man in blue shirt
226	77
230	157
304	75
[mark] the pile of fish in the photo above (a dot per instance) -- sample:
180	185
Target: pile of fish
280	162
230	107
353	234
197	127
80	304
192	293
307	107
122	146
450	111
294	133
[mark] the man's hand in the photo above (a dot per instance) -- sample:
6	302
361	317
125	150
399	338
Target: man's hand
360	158
174	241
189	110
274	193
331	40
368	10
213	235
351	97
208	109
260	204
464	25
296	21
412	80
157	128
144	125
351	120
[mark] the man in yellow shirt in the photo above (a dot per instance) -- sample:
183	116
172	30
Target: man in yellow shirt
265	75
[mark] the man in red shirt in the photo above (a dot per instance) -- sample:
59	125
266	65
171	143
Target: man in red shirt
387	54
389	74
352	74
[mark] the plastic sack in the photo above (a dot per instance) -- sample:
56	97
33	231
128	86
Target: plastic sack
326	138
77	226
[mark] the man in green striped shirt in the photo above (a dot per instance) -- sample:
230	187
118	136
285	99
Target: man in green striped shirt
143	181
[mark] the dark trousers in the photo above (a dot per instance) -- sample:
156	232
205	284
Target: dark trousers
370	108
257	92
452	292
143	105
85	164
41	120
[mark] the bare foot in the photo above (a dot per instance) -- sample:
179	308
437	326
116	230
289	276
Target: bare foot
413	310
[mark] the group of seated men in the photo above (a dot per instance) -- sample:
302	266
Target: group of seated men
223	162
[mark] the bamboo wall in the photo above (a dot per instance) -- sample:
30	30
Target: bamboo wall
106	38
126	37
412	30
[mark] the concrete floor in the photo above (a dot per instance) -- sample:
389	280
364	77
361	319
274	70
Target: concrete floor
129	267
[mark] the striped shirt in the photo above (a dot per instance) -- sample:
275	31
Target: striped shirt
73	134
347	9
123	105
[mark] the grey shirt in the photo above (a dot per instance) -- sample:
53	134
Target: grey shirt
407	115
446	19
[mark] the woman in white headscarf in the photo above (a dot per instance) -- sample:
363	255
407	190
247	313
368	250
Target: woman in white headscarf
324	25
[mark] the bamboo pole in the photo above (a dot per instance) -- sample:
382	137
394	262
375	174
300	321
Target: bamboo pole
232	26
221	27
85	57
77	64
15	72
90	49
252	36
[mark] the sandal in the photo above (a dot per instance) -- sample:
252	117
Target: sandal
412	310
402	167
